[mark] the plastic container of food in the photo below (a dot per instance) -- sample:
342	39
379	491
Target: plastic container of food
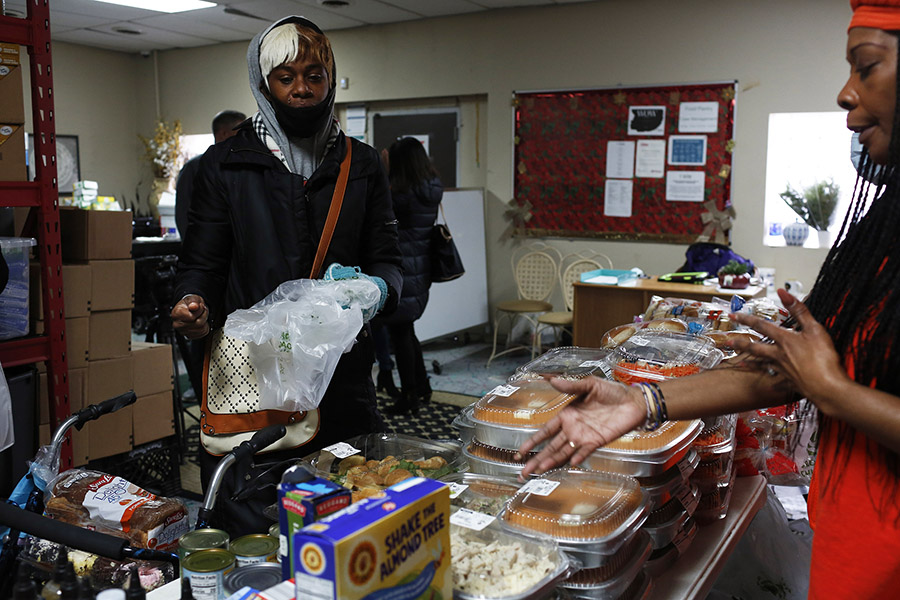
660	488
614	578
664	523
479	492
531	566
715	444
656	355
587	512
489	460
646	453
566	361
464	425
713	504
622	333
663	558
724	340
509	414
381	446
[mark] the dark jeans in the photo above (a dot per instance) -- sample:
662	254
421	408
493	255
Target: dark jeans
410	362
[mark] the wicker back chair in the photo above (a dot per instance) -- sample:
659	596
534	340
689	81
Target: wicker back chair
570	269
535	268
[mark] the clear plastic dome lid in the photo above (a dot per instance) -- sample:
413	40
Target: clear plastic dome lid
567	361
583	506
526	403
652	355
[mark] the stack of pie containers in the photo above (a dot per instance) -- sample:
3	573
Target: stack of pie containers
714	475
595	518
504	418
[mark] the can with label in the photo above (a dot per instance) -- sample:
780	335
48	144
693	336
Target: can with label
259	576
201	539
275	531
254	548
206	570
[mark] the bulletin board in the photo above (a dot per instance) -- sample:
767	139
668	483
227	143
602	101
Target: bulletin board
641	163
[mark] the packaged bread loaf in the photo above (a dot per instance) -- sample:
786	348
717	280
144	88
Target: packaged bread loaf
112	505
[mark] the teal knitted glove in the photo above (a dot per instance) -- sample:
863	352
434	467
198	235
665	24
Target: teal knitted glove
337	272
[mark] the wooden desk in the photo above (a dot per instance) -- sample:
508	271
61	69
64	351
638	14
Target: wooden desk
599	308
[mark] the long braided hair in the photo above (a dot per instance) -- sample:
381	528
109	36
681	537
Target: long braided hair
856	295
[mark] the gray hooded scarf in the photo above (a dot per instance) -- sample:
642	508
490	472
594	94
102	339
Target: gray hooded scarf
302	155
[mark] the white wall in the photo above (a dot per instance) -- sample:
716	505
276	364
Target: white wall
788	55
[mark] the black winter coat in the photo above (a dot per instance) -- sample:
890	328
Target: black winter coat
253	225
416	211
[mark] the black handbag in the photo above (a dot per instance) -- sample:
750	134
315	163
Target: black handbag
446	265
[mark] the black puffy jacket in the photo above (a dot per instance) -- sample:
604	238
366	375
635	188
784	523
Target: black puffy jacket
416	211
253	225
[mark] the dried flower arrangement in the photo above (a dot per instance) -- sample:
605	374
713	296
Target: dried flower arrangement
163	150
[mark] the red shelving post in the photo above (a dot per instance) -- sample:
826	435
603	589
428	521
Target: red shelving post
34	33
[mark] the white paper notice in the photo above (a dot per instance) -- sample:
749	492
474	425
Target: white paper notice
617	198
356	120
698	117
620	160
685	186
650	160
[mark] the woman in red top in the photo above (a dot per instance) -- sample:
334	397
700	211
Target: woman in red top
840	356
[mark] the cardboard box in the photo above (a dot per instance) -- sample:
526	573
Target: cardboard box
12	95
378	544
108	378
109	334
153	370
80	438
12	152
95	234
112	284
76	291
153	417
300	504
112	434
77	342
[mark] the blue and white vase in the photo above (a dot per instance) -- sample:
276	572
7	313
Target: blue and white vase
795	234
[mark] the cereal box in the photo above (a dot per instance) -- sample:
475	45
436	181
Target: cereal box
394	546
300	504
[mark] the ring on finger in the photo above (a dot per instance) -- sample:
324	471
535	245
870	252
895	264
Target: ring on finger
572	444
771	372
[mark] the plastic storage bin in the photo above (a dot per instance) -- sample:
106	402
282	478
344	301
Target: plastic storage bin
14	298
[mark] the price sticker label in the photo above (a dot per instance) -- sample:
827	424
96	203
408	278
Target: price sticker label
342	450
687	465
456	489
683	538
638	341
607	370
592	363
687	497
504	390
471	519
540	487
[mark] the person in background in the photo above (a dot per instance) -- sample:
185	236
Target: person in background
417	192
260	204
840	356
223	127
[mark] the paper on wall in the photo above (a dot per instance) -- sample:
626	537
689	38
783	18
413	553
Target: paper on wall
620	159
685	186
617	197
650	160
698	117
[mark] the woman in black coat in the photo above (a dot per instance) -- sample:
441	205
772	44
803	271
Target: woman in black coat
416	192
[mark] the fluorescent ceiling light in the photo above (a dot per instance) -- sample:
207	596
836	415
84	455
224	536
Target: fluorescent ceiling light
166	6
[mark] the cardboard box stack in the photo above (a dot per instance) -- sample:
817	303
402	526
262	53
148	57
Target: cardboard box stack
12	115
98	294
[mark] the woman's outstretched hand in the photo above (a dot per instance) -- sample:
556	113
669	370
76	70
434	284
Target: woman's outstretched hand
805	356
603	411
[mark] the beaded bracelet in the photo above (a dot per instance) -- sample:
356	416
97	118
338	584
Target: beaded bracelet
657	413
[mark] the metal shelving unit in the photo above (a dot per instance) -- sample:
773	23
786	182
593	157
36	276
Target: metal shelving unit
42	197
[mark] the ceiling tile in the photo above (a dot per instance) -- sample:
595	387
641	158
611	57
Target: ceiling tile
367	11
92	8
214	26
271	10
87	37
436	8
159	38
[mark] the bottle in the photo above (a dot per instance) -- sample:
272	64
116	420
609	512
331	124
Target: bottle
24	588
112	594
186	592
86	591
135	591
68	587
50	590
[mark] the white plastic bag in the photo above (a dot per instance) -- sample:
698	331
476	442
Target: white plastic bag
297	335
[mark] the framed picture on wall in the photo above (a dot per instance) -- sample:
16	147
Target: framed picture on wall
68	165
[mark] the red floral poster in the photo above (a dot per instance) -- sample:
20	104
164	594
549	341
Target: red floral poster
562	140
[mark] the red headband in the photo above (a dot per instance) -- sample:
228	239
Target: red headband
880	14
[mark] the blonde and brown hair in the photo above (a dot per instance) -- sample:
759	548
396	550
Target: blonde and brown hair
292	41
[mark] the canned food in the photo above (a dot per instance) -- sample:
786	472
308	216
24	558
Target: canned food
259	576
201	539
254	548
275	531
206	570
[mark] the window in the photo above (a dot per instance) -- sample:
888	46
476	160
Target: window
806	148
